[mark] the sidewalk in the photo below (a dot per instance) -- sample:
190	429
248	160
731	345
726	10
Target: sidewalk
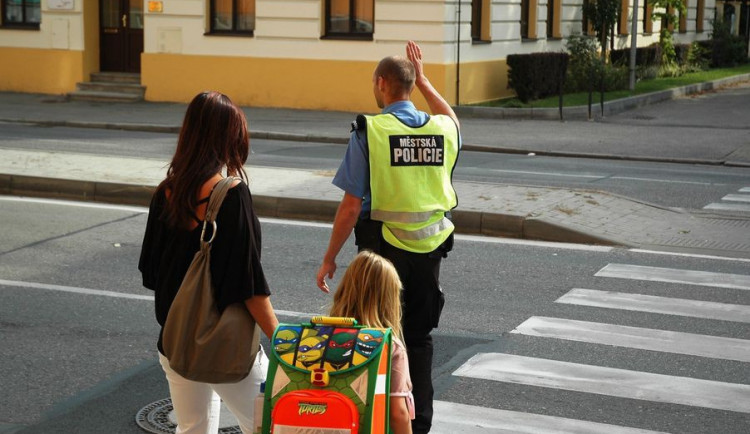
550	214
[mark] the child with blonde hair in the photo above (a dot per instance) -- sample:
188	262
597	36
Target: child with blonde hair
370	292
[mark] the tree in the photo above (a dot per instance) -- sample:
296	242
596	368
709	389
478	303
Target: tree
602	14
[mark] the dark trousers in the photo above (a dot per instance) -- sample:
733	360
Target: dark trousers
422	301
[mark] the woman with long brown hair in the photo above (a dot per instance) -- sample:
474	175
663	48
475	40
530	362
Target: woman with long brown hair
213	141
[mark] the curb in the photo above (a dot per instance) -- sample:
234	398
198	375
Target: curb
466	222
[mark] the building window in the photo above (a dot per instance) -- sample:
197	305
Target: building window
350	19
648	20
233	16
528	19
586	27
665	24
22	13
622	22
700	17
683	17
480	22
553	19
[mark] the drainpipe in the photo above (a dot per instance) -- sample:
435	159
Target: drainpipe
458	52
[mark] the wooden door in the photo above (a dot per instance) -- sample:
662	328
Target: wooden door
121	35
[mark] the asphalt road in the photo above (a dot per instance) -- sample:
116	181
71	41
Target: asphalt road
687	186
78	332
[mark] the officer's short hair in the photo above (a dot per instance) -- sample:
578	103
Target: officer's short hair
397	69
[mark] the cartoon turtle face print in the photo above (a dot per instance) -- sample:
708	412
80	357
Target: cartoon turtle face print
285	342
368	340
311	347
340	349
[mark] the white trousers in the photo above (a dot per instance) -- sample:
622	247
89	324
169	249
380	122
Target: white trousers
197	405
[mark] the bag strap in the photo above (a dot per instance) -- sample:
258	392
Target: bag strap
217	198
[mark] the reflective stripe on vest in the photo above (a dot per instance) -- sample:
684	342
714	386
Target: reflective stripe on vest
401	217
410	180
424	233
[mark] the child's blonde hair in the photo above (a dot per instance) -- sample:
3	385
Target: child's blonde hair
370	291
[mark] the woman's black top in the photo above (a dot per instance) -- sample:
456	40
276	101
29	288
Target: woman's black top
236	271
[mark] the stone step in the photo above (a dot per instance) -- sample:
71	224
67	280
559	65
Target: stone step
101	86
87	95
116	77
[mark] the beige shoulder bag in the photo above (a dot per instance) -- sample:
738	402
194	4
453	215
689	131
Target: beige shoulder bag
201	343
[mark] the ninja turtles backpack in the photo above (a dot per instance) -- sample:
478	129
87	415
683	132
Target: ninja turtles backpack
329	376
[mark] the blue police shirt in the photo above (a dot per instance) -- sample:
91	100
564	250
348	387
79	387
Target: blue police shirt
353	175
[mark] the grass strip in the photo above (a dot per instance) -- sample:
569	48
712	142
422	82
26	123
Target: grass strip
641	87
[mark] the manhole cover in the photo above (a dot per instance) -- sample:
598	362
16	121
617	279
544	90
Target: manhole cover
158	418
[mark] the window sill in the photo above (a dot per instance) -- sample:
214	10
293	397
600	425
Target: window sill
480	42
529	39
231	34
367	37
555	38
34	27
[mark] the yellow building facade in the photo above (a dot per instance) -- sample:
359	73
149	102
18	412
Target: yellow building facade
312	54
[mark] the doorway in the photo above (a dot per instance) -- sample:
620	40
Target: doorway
121	35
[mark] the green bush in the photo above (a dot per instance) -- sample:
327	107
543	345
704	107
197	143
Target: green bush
698	57
726	49
616	78
647	72
536	75
644	56
700	54
586	70
584	60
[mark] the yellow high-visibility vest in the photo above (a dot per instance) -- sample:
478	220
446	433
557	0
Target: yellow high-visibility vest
410	180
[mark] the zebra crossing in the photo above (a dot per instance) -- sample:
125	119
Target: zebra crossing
739	201
617	382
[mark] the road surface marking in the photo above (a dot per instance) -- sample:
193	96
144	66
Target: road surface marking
601	380
689	255
737	198
673	275
728	206
73	289
481	420
103	293
96	205
635	337
521	242
655	304
667	181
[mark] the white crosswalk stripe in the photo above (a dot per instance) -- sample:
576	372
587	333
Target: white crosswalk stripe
480	420
656	304
737	198
616	382
733	202
688	277
636	337
728	207
607	381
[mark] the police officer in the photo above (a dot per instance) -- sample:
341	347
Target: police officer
396	177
